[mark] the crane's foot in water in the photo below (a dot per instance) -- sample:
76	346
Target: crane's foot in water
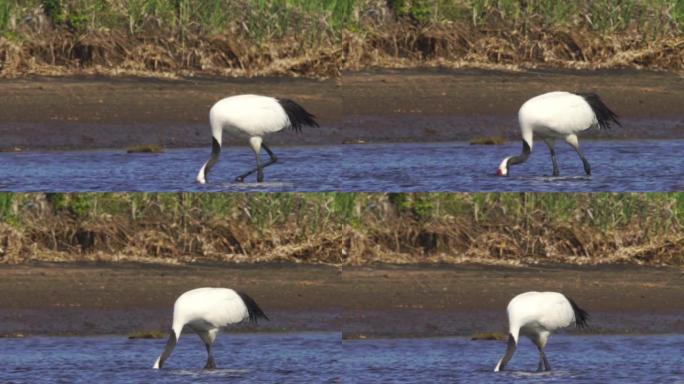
587	166
210	364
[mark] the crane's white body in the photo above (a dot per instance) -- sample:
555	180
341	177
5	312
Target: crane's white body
536	315
532	313
204	311
558	115
247	116
252	117
555	115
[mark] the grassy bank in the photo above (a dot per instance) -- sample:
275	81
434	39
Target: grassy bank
321	38
344	228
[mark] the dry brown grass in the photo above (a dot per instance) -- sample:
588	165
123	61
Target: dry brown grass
500	44
115	53
378	228
365	34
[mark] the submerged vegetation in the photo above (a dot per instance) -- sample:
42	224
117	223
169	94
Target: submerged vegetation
322	38
344	228
488	140
145	148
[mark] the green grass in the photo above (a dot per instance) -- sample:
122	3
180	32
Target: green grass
319	210
269	18
261	17
601	15
312	37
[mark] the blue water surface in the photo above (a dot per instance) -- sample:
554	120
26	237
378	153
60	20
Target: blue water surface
617	166
240	358
574	359
325	358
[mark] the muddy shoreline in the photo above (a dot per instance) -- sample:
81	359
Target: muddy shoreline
426	301
372	106
380	301
90	299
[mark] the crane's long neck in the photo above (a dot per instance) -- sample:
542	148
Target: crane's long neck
510	349
213	159
170	345
522	157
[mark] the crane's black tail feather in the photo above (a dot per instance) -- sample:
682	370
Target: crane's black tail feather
297	115
581	316
603	114
252	308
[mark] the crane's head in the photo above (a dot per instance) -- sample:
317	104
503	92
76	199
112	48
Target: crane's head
201	176
503	167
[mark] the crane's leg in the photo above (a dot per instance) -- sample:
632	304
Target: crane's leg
574	143
272	157
547	366
208	338
554	159
260	167
541	367
540	342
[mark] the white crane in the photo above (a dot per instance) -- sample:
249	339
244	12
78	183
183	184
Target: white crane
205	311
536	315
559	115
253	117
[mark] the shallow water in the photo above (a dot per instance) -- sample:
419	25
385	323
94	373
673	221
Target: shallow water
456	166
574	359
241	358
324	358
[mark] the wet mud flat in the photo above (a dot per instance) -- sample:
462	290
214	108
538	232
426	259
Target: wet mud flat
464	300
362	302
440	105
377	106
89	299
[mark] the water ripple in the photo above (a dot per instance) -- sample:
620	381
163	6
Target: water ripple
616	165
